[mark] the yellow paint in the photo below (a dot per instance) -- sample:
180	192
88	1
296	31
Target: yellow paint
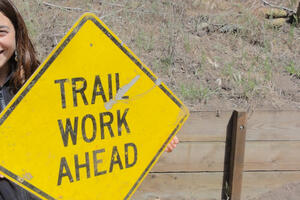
31	140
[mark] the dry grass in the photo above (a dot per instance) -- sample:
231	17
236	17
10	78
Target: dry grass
213	54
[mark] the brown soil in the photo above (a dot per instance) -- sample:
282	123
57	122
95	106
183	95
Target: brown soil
215	55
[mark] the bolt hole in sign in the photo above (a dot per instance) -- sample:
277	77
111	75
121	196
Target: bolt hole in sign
90	123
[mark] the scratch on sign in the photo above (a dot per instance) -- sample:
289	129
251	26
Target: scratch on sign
121	92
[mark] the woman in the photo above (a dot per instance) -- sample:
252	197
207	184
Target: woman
17	62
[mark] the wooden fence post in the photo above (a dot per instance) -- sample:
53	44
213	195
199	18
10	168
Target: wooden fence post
234	156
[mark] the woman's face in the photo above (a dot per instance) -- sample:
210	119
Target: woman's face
7	40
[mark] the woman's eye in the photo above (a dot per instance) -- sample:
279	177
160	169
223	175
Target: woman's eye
3	32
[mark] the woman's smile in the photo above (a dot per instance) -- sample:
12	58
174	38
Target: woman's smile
7	40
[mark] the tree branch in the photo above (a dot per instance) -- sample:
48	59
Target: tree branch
97	12
290	11
67	8
110	14
111	4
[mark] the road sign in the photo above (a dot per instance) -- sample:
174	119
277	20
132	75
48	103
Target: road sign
91	121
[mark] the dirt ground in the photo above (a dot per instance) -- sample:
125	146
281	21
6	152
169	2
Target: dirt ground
213	54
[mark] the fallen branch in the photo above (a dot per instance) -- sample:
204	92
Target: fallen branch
68	8
97	12
110	14
62	7
290	11
111	4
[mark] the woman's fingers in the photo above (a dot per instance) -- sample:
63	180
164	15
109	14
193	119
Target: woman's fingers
172	145
1	176
175	140
168	149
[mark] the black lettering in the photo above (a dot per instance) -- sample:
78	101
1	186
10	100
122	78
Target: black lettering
133	146
122	121
84	165
79	90
69	130
98	161
117	77
110	87
115	159
64	167
108	124
98	90
83	122
62	91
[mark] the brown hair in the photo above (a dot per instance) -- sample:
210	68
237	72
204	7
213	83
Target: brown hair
25	62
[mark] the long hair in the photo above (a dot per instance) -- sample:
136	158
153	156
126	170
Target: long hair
24	61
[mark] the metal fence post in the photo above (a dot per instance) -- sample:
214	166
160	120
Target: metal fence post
234	156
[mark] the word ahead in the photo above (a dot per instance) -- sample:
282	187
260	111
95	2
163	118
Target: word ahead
64	170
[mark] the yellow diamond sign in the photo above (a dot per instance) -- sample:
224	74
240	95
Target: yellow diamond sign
91	121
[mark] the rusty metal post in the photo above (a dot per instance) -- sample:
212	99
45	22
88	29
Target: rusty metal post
234	156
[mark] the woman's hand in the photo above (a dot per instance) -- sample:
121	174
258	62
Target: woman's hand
172	144
1	176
